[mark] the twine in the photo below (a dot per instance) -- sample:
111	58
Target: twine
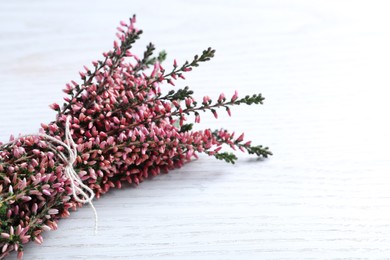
81	192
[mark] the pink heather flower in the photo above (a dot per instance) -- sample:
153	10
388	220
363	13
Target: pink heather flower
46	228
197	119
18	151
24	239
5	235
46	192
116	45
34	208
155	70
174	63
240	138
176	104
110	140
217	149
221	97
235	96
5	247
18	230
38	240
170	82
68	89
206	100
188	102
76	107
228	111
26	198
116	120
53	211
34	162
55	106
215	114
136	57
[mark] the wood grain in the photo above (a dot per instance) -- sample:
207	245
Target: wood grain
323	68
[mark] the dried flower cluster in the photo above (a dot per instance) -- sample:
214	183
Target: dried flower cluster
125	129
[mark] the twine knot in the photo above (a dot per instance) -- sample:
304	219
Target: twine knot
81	192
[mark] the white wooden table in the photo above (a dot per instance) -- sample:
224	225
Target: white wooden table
323	67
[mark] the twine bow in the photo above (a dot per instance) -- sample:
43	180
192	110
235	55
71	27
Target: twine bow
81	192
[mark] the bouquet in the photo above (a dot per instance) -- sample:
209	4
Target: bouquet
116	126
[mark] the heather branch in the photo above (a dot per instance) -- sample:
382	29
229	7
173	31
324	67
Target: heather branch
255	99
114	56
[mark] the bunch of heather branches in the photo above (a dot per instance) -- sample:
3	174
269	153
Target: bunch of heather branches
125	128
